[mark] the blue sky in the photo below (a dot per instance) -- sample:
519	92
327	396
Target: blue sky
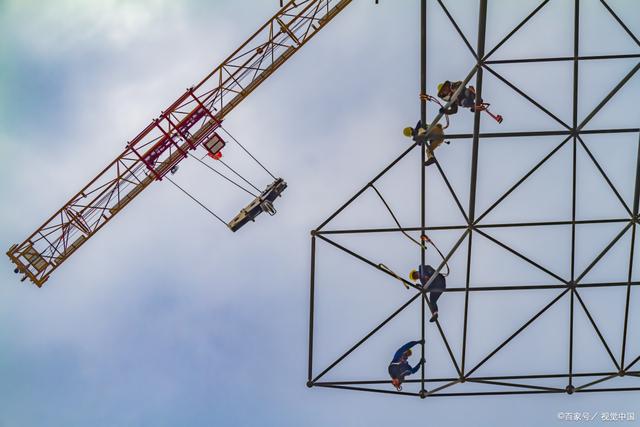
166	318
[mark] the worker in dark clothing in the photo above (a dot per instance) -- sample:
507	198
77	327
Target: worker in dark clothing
435	289
466	98
399	368
430	142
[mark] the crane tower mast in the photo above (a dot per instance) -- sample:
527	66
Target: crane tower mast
189	122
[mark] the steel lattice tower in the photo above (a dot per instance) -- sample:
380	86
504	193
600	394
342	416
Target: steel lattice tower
623	364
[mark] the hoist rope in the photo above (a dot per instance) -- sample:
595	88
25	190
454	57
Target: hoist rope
222	175
197	201
247	151
239	176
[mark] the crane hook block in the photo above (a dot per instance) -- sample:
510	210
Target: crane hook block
262	203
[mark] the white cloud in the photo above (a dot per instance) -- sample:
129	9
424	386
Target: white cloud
52	28
163	290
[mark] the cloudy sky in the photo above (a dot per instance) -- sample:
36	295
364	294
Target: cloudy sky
166	318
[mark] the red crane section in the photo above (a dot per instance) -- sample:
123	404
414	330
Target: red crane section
189	122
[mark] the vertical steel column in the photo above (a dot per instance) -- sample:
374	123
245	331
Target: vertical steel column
636	196
482	27
576	41
636	207
476	120
311	305
423	122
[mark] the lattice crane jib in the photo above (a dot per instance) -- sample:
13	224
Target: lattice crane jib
188	123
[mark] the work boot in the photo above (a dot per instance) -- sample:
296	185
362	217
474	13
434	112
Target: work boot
434	317
430	161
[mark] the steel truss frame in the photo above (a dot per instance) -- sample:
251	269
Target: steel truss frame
577	382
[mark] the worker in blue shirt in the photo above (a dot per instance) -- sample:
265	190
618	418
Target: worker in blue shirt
399	368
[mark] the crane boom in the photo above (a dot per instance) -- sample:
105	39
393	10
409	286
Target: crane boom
186	124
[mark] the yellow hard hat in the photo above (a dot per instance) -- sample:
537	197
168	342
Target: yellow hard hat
408	132
440	86
411	275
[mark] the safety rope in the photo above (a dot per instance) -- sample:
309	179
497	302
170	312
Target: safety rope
483	106
393	273
197	201
396	219
441	256
408	236
428	97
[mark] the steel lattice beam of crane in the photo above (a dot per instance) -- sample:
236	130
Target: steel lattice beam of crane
186	124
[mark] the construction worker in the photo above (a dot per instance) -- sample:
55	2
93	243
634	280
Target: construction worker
435	289
399	368
430	142
466	98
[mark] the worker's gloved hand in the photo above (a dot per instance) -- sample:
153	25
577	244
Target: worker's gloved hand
422	361
421	342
